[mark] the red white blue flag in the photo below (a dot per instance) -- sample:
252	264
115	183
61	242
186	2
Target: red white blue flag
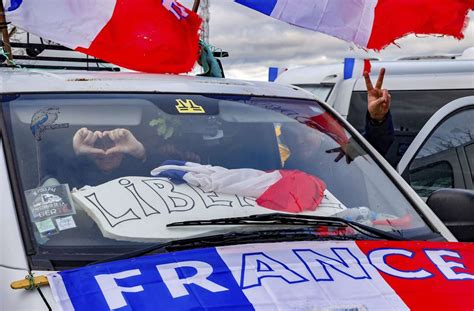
333	275
159	36
371	24
282	190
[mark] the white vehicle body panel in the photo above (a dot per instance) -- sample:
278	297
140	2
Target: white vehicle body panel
13	264
12	253
12	81
429	127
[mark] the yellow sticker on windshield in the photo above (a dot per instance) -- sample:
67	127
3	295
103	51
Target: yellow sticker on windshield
188	106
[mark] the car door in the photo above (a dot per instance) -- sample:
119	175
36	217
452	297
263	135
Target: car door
442	154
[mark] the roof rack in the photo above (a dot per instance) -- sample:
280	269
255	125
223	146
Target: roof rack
33	50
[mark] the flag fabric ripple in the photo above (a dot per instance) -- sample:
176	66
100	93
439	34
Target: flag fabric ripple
372	24
157	36
282	190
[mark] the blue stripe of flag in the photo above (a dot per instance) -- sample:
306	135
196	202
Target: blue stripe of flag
263	6
86	295
349	64
273	74
14	4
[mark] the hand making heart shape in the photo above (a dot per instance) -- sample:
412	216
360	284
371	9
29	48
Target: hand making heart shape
107	144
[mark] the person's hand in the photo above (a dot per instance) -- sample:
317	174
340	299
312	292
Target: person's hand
84	141
378	99
124	143
350	150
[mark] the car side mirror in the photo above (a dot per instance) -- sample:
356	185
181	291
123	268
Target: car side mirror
455	208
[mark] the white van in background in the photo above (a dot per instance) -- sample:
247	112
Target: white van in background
419	87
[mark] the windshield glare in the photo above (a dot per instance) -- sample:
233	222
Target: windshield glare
113	169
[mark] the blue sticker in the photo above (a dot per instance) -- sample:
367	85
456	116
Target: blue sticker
45	119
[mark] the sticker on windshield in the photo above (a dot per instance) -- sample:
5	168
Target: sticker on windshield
45	119
46	227
188	106
65	223
48	202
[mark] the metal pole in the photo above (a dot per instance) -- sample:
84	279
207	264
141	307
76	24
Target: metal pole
196	5
5	35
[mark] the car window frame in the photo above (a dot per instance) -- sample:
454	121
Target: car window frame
405	174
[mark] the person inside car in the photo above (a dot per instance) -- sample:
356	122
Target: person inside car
107	149
106	155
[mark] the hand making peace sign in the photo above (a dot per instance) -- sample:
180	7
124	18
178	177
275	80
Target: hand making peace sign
378	99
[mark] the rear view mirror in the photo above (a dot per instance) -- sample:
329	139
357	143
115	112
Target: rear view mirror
455	208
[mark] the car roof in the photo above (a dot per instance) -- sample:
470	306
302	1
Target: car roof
331	73
40	81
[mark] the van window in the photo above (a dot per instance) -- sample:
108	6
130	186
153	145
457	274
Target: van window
322	92
425	180
411	109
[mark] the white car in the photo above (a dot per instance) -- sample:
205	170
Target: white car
111	205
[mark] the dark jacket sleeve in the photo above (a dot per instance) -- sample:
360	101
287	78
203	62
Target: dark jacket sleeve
380	136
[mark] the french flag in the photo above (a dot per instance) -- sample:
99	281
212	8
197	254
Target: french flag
372	24
356	67
275	72
158	36
290	191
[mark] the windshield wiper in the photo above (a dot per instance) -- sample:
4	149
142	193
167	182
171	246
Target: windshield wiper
307	233
292	220
230	238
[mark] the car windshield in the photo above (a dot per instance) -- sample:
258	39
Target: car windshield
112	170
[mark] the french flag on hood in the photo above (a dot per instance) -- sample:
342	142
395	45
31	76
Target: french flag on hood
282	190
372	24
158	36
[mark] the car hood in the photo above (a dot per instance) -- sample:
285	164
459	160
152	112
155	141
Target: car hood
330	275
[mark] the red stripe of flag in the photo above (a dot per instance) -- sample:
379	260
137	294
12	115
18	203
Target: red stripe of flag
397	18
143	35
435	292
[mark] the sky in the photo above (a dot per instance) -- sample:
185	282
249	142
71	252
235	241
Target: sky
256	42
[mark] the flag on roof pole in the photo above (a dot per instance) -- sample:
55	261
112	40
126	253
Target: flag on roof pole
371	24
275	72
159	36
356	67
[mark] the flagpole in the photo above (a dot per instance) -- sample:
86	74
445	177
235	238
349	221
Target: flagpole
5	35
196	5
